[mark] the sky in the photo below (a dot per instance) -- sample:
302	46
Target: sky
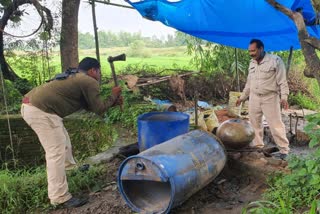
109	18
118	19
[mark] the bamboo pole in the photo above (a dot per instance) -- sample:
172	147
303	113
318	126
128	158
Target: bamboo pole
95	29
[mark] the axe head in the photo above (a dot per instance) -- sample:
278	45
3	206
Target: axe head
121	57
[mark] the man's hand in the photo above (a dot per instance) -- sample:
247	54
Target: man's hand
239	101
116	91
284	104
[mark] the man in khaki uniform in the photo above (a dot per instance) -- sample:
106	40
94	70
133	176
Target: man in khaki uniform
43	109
267	88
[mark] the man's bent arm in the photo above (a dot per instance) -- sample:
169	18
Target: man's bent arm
246	91
281	78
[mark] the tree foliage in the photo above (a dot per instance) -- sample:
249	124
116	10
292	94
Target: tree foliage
109	39
11	12
215	58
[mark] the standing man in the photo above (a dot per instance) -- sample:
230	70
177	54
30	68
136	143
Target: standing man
268	89
44	108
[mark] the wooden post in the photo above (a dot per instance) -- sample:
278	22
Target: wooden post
196	108
237	71
289	59
95	29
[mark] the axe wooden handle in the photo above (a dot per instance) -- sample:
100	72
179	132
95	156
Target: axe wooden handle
121	57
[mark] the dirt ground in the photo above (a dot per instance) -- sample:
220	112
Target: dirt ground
242	181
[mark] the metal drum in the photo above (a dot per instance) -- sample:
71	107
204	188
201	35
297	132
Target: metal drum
158	127
167	174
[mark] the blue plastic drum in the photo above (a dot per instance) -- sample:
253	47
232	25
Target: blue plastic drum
164	176
157	127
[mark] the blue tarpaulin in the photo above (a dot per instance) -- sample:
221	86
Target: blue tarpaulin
232	22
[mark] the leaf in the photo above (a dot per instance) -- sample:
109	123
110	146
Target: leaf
310	164
313	209
302	172
313	142
315	179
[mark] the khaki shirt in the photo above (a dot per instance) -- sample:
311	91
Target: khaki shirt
64	97
267	77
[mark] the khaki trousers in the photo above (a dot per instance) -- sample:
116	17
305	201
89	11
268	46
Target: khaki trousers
55	140
269	106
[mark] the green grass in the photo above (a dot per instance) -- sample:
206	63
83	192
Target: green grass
160	62
25	191
160	58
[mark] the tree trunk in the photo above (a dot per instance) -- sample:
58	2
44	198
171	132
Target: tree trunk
308	43
316	5
69	34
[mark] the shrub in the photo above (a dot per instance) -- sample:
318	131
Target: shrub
301	187
13	98
303	101
137	49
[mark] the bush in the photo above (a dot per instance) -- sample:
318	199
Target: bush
13	98
89	135
301	187
303	101
137	49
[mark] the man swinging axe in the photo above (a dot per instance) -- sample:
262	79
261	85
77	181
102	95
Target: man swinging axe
44	108
121	57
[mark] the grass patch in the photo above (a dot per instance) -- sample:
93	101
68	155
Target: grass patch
25	191
304	101
299	189
162	58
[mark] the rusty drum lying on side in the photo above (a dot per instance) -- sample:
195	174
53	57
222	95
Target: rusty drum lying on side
235	133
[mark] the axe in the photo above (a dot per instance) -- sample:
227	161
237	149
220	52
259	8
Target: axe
111	59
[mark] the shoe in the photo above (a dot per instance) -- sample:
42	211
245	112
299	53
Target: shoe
73	202
256	147
279	155
84	168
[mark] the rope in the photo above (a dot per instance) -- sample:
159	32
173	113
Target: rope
5	103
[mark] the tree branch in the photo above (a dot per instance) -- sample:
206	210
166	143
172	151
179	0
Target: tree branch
281	8
316	5
8	12
312	60
48	20
314	42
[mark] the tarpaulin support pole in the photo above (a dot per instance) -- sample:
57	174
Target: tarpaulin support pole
289	59
196	108
95	29
237	71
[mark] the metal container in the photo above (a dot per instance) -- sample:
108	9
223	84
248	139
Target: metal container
158	127
167	174
168	107
235	133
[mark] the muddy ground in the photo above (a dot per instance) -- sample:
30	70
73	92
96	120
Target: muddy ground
241	182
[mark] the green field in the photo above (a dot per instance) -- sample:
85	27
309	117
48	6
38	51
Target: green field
161	58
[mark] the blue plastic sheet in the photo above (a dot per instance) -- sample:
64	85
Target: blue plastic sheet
232	22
